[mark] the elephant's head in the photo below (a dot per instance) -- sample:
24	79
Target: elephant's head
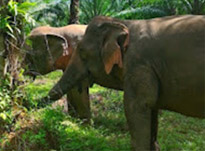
99	55
45	51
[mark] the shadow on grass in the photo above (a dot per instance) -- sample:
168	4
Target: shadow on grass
52	129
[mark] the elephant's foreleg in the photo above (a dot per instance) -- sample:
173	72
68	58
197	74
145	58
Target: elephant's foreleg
78	103
141	93
70	103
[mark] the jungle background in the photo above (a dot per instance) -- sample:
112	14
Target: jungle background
23	127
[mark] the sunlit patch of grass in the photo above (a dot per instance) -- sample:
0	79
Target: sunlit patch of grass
74	136
97	89
54	75
41	86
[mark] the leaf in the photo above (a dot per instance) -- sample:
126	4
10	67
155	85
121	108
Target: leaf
11	35
15	10
10	3
18	30
25	6
3	116
9	27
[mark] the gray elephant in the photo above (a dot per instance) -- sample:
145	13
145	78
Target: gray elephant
52	49
159	63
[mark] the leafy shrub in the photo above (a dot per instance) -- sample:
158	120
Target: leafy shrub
11	103
5	104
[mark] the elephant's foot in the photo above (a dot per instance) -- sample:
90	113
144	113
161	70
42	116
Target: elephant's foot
73	112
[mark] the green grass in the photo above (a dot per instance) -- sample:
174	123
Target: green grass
178	132
42	85
52	129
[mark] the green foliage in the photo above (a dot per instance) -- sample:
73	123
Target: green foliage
141	10
146	9
13	15
5	103
38	138
175	7
11	101
92	8
56	13
61	132
141	13
51	12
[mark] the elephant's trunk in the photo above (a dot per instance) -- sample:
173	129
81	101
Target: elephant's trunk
75	72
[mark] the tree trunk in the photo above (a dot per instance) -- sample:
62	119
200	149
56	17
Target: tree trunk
74	11
2	2
11	46
2	54
2	43
196	7
12	59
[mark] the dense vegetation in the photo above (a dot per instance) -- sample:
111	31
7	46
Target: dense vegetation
23	127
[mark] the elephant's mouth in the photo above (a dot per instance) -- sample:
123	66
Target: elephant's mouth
32	73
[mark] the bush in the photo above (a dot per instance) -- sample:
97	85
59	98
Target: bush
11	103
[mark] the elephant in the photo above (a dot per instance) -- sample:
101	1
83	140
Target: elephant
158	63
52	48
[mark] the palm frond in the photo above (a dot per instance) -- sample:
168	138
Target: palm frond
140	12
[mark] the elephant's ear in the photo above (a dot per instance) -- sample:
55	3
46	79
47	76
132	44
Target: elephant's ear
54	45
116	38
57	45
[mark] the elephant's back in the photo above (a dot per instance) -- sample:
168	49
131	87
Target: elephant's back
75	28
179	45
73	31
174	48
42	30
69	30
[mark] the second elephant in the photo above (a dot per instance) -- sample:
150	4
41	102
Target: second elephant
51	50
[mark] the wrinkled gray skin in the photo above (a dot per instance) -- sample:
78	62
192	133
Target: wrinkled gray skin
159	63
51	50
